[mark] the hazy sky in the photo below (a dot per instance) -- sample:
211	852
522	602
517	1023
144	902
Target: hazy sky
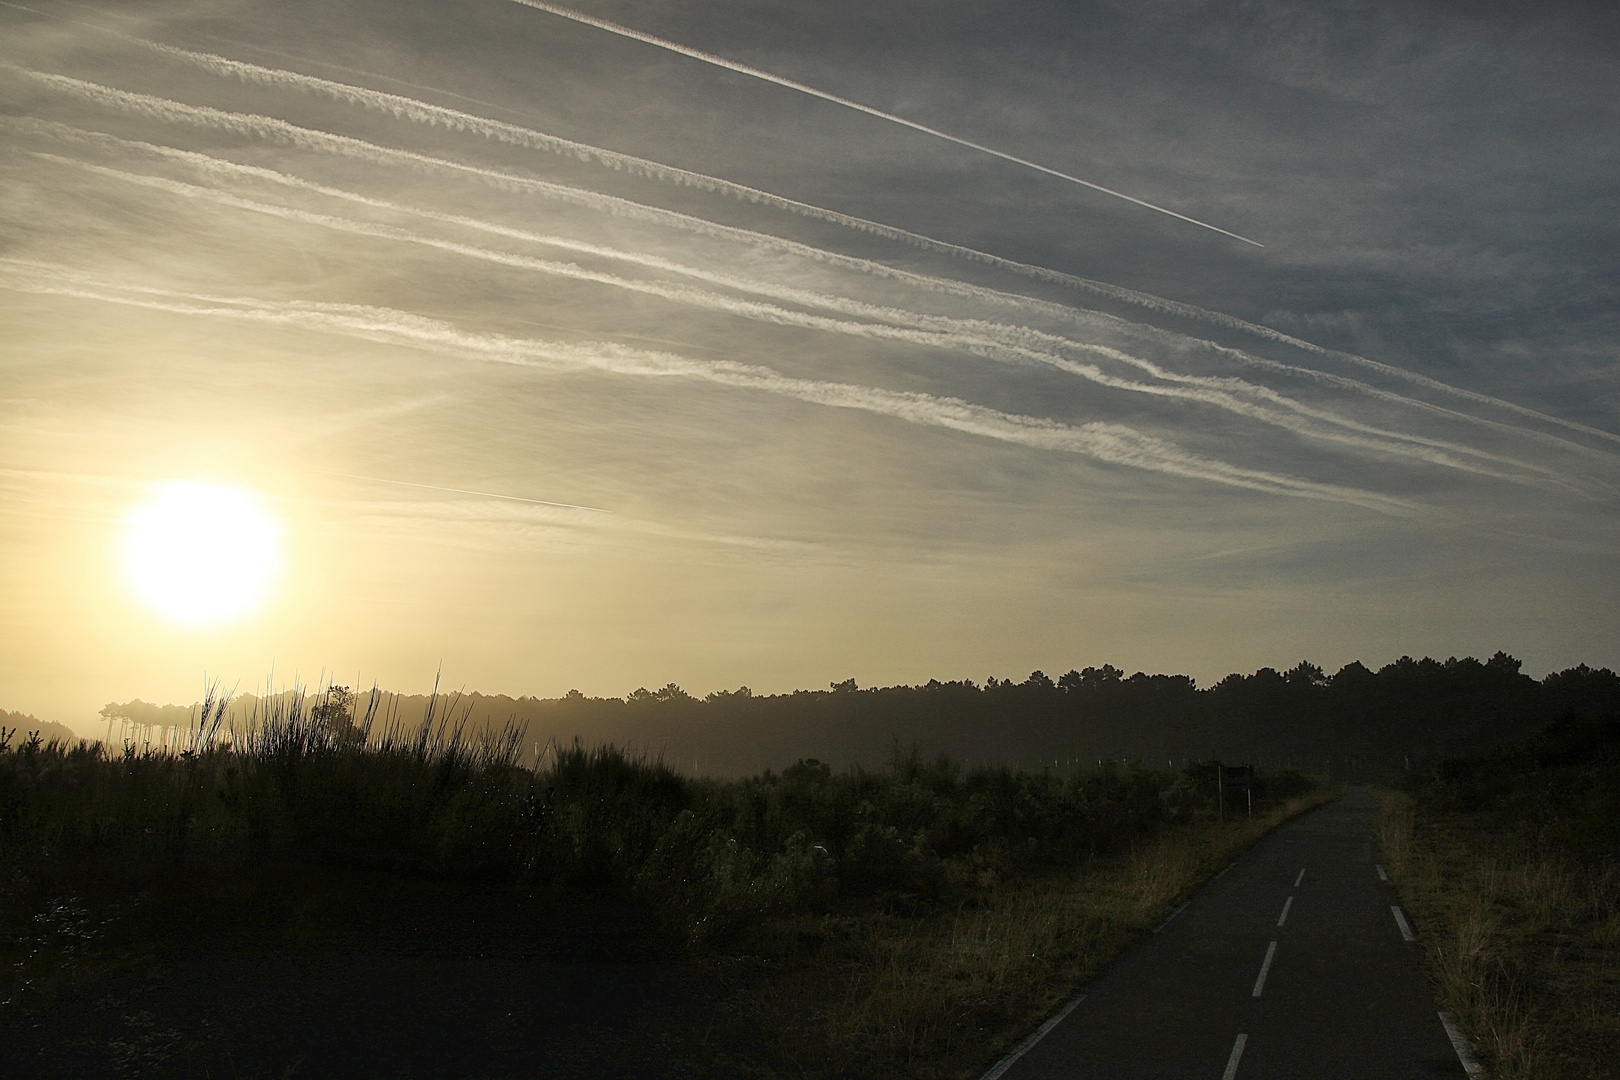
857	401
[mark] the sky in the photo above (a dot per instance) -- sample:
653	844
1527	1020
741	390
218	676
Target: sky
565	350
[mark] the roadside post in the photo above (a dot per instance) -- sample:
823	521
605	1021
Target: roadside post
1235	777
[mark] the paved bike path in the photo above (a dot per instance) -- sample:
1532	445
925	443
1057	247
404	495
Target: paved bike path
1342	996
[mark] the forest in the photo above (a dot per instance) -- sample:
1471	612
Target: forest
383	882
1357	723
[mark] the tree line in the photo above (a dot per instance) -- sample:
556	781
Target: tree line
1357	721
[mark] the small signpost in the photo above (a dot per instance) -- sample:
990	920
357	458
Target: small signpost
1234	777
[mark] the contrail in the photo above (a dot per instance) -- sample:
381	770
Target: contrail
434	115
1111	443
421	112
425	112
171	111
743	69
951	337
936	331
465	491
174	112
256	72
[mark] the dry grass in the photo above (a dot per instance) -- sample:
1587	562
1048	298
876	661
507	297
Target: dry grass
1522	944
941	996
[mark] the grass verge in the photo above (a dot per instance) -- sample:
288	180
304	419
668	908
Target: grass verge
945	994
1506	865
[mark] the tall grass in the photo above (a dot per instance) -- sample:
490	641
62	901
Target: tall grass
1457	904
1518	911
915	918
294	783
938	995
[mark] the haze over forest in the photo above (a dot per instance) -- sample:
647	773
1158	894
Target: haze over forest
1352	722
725	342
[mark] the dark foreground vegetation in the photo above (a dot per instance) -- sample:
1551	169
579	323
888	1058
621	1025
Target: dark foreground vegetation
1510	863
1356	722
329	895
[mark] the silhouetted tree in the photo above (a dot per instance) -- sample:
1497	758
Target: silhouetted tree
333	714
1306	673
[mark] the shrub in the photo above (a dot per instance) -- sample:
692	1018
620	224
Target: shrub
316	783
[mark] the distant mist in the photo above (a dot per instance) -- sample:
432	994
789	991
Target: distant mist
1355	722
22	726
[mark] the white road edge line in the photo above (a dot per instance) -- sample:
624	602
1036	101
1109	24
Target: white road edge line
1029	1044
1286	905
1232	1062
1470	1063
1170	916
1381	875
1400	921
1300	878
1260	983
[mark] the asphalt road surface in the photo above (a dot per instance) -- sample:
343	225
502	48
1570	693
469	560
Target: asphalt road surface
1295	962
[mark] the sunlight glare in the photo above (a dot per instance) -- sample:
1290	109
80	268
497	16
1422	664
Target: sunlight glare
201	553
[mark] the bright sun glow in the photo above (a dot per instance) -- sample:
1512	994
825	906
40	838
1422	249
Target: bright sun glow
201	553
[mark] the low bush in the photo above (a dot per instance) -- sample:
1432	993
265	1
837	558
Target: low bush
309	782
908	921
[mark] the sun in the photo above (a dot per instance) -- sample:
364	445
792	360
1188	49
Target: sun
201	554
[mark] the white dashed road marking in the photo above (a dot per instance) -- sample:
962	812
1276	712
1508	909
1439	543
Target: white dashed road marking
1260	983
1400	921
1232	1062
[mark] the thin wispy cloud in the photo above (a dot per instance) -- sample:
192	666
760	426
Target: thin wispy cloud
1297	420
975	337
1111	443
426	113
466	491
544	324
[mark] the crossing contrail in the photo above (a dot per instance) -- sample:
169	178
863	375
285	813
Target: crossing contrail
421	112
944	333
973	337
1111	443
465	491
425	113
744	69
